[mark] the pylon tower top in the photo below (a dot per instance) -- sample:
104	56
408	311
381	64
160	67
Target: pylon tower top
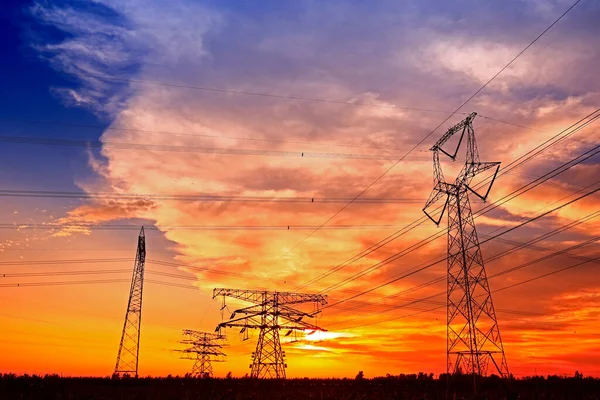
270	312
472	167
204	348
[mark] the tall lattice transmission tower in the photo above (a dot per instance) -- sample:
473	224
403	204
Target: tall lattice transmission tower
129	347
474	343
204	348
270	312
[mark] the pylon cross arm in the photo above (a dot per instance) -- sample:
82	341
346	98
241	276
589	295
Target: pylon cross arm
481	168
255	310
259	296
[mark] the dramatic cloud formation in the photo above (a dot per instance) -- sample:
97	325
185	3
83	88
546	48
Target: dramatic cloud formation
408	65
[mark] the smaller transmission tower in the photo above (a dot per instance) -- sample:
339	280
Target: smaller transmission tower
270	312
204	349
129	347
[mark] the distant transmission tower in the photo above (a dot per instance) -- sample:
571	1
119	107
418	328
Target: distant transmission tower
473	337
204	349
129	348
270	312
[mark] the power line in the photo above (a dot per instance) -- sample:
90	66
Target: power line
173	264
203	197
115	227
192	268
64	273
550	273
45	303
189	287
248	93
517	246
590	118
595	259
164	274
407	274
63	283
92	282
429	134
549	256
518	55
429	301
511	166
111	128
425	300
325	144
510	123
195	269
46	141
516	193
67	261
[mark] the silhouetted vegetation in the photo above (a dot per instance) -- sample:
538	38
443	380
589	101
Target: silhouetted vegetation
413	386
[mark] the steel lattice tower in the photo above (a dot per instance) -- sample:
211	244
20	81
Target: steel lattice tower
129	347
271	311
474	343
204	349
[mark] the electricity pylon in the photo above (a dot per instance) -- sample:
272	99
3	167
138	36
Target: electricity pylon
271	311
129	347
204	349
473	337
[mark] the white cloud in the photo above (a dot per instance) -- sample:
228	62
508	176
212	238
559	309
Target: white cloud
166	41
480	60
129	39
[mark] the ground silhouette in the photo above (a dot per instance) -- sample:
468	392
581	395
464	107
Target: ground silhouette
418	386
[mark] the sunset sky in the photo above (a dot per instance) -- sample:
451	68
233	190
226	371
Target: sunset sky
272	104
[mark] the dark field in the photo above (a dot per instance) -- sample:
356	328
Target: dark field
405	387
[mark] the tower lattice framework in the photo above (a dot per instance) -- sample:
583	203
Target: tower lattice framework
474	344
204	348
271	312
129	347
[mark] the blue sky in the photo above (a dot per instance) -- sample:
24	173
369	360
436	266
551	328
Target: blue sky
26	81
